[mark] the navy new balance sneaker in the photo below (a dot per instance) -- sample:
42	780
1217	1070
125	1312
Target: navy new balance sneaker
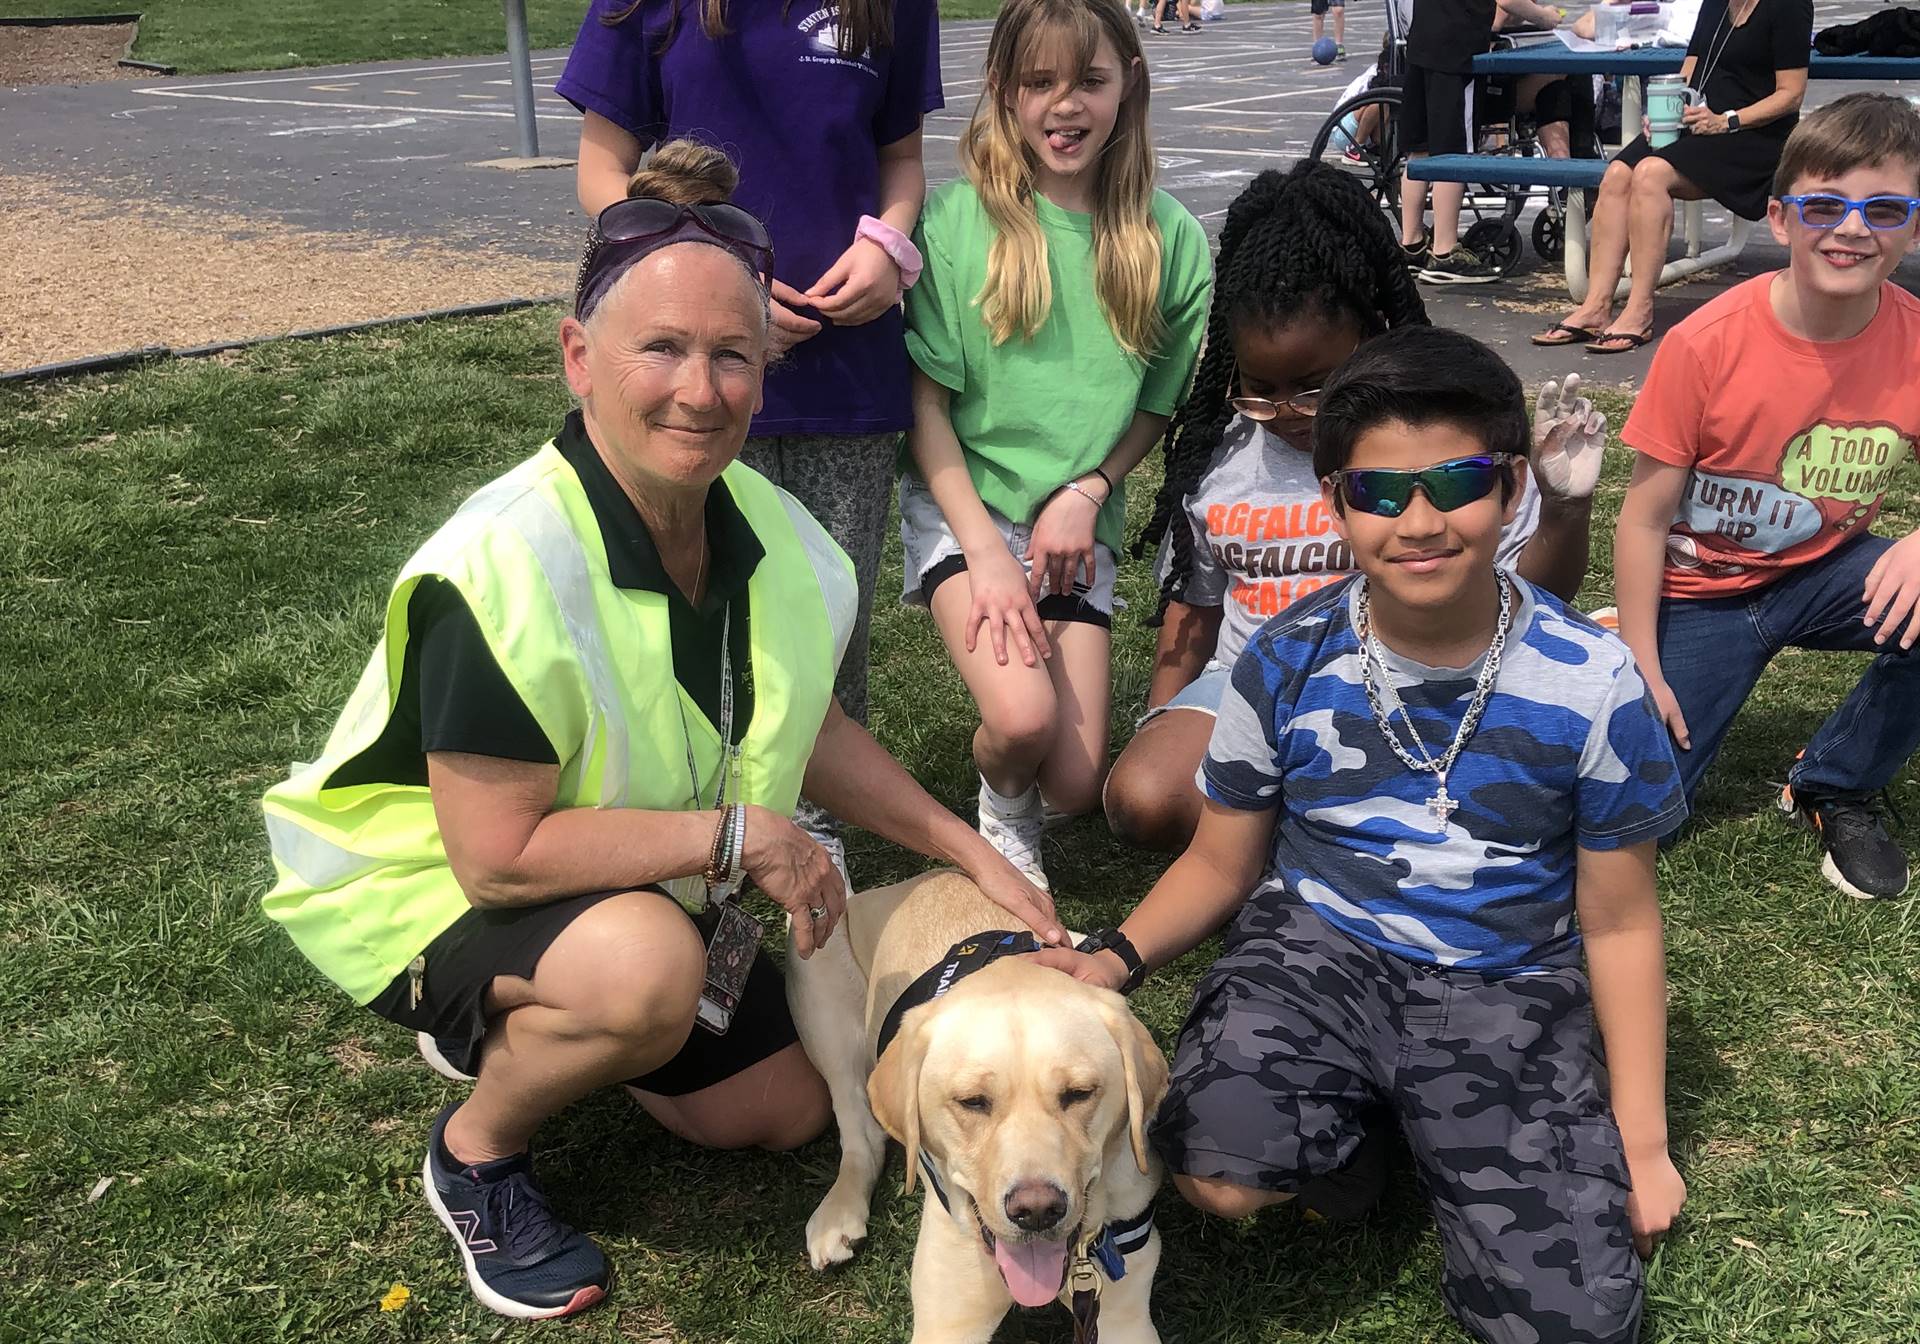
521	1260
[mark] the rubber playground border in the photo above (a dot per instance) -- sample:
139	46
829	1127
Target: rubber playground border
126	359
96	20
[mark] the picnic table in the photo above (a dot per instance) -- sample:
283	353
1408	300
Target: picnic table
1553	57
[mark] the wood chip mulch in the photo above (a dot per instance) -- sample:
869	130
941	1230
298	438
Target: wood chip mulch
80	53
91	275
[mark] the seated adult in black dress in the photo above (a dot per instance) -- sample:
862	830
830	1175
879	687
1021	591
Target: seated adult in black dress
1749	58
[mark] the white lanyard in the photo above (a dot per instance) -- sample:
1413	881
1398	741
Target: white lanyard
1715	53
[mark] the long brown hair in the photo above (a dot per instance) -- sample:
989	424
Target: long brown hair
1018	293
864	24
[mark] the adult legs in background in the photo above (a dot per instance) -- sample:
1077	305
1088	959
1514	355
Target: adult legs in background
1606	250
1633	215
1656	186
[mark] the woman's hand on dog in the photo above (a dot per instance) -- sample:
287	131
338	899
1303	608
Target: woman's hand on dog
786	863
1104	970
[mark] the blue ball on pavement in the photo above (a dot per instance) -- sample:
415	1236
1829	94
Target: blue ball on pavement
1325	50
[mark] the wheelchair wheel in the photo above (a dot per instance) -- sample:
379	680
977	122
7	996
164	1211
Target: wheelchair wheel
1497	240
1380	163
1550	236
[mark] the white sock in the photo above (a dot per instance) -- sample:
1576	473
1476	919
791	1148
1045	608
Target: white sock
1007	808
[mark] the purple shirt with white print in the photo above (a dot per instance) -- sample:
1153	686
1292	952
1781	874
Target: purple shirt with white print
805	125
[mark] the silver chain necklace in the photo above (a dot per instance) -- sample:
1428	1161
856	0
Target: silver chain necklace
1440	806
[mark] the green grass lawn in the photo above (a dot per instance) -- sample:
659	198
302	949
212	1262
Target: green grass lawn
192	559
204	36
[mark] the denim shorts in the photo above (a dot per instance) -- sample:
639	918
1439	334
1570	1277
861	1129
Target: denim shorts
930	548
1202	693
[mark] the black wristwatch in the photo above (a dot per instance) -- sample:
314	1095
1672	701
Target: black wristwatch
1733	120
1116	942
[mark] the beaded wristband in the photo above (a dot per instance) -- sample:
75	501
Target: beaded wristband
719	861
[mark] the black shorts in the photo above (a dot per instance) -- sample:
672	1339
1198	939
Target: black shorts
1052	607
462	962
1436	112
1554	102
1322	6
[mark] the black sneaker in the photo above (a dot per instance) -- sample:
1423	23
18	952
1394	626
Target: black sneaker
1458	267
521	1260
1416	255
1862	859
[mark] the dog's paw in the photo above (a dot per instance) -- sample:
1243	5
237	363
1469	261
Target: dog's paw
836	1230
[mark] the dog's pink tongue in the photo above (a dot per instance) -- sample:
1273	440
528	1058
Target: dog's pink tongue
1034	1270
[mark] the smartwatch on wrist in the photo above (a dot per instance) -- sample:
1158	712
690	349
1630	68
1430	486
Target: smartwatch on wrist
1733	120
1116	942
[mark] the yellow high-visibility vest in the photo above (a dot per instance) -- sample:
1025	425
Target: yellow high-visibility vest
364	883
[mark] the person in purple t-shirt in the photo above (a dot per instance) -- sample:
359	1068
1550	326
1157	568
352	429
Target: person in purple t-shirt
820	105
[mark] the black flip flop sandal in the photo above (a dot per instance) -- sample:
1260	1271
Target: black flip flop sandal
1565	333
1633	341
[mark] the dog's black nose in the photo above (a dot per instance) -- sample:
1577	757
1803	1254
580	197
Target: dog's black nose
1036	1206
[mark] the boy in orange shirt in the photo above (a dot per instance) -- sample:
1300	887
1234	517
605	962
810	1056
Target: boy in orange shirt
1772	422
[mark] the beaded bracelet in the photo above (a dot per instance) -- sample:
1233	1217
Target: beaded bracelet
719	857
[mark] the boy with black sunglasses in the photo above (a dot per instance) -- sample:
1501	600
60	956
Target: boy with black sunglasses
1428	785
1773	421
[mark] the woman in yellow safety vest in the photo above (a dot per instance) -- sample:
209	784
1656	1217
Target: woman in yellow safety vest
604	682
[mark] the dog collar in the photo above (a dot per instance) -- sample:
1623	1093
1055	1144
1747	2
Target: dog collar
1109	1248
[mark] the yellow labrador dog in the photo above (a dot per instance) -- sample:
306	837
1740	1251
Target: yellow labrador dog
1021	1095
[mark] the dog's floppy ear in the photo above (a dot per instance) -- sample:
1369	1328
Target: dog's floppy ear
893	1090
1145	1069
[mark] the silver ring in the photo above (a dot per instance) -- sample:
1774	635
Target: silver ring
819	912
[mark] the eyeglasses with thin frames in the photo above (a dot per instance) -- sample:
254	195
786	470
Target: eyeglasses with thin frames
1303	404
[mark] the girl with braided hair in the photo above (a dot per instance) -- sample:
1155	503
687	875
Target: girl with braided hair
1308	268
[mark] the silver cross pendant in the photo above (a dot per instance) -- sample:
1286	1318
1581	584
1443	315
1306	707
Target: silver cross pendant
1441	808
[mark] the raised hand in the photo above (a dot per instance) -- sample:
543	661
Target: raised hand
1569	440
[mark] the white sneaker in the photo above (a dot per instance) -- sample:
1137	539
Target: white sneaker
1016	834
430	1051
836	850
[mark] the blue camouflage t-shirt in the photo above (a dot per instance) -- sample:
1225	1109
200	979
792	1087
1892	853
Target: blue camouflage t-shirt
1569	753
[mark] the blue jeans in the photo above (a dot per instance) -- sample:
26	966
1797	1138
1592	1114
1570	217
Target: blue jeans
1713	650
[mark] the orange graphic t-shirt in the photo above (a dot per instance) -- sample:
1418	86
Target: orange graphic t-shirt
1790	443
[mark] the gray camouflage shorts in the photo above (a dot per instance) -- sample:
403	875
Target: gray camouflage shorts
1298	1031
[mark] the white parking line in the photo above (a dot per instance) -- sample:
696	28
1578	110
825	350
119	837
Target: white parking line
344	107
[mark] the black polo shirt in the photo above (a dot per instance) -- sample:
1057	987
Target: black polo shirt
453	695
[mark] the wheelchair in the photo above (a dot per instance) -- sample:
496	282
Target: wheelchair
1490	214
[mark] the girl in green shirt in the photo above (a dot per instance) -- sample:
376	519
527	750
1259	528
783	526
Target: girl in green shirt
1053	333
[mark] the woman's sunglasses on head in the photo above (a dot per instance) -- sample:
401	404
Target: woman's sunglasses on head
1824	210
1386	493
630	230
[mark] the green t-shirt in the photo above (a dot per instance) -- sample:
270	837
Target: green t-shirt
1034	414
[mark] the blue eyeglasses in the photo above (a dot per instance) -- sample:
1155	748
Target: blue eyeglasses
1824	210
